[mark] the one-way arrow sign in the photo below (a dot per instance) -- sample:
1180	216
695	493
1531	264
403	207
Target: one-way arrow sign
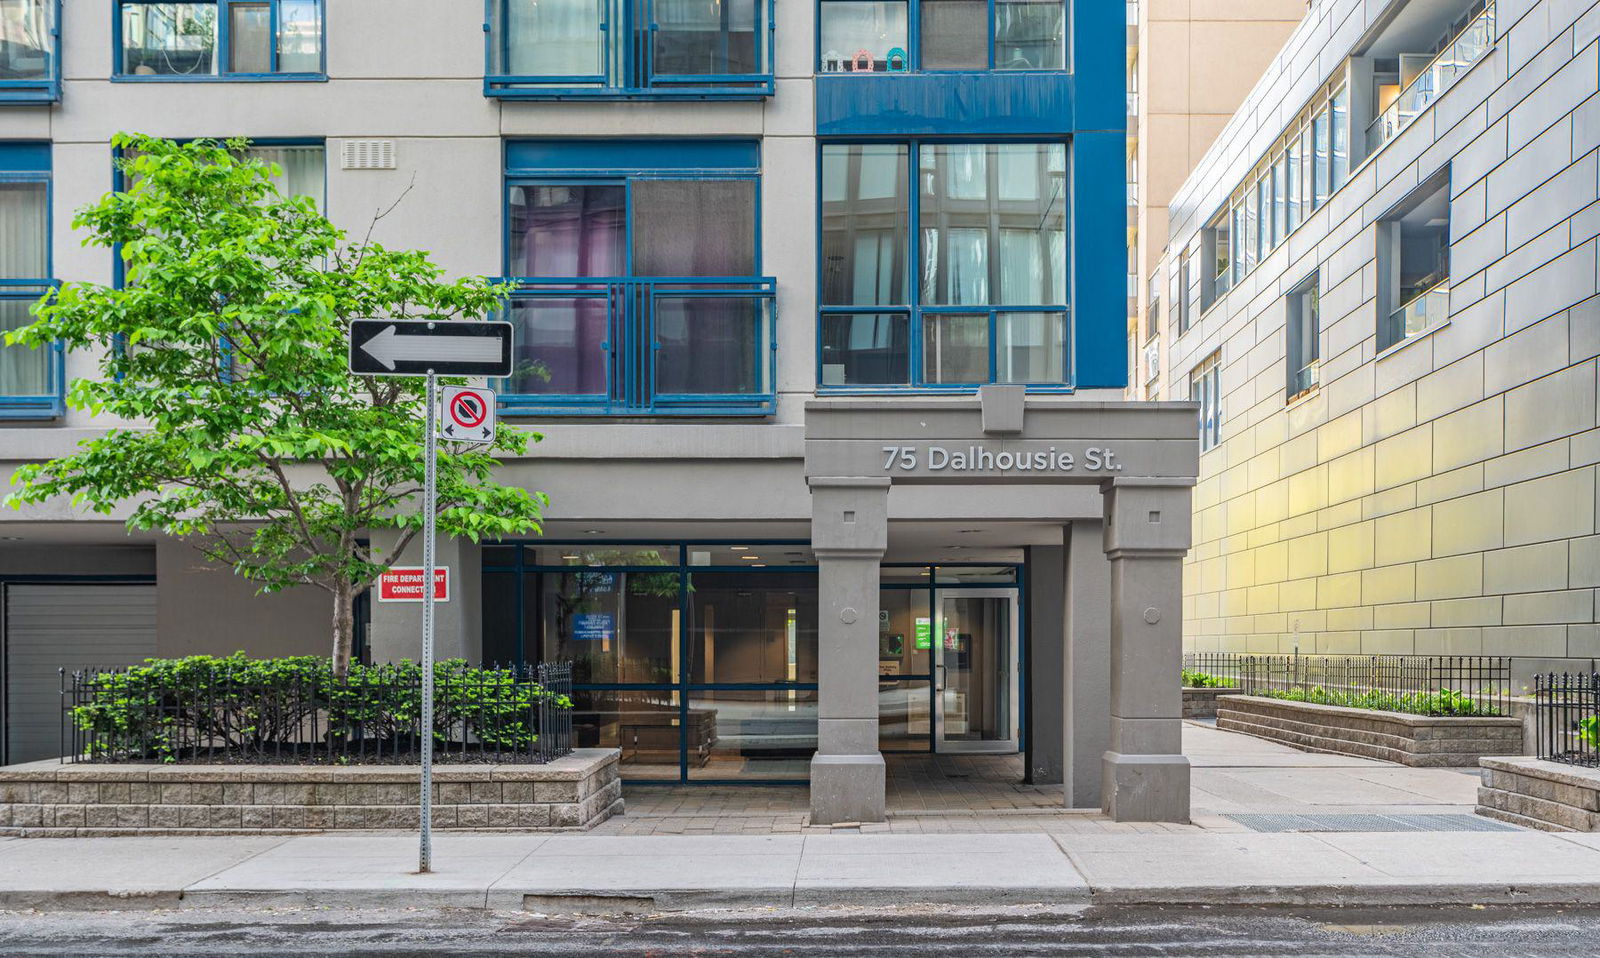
390	347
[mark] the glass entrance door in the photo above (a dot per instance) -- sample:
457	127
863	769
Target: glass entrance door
975	671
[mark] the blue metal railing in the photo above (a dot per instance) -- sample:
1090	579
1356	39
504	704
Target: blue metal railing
643	345
632	42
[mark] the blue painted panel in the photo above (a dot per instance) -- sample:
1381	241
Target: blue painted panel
533	157
24	158
1100	268
1100	63
946	104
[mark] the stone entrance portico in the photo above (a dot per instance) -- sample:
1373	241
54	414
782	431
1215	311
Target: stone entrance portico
862	457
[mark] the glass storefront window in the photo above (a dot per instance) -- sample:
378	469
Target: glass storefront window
752	628
615	627
905	632
752	734
643	724
600	554
905	716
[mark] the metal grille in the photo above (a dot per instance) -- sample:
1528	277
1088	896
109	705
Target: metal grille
1369	823
233	713
367	155
1567	718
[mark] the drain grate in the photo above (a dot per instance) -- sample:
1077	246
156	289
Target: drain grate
1370	823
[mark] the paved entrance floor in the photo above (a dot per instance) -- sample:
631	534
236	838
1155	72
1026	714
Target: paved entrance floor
1234	775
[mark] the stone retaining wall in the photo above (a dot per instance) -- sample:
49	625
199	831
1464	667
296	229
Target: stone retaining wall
1540	794
1202	703
1418	740
573	793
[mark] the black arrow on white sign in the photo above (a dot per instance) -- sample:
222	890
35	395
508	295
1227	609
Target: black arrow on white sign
386	347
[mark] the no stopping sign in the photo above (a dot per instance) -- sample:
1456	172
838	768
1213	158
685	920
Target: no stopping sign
468	414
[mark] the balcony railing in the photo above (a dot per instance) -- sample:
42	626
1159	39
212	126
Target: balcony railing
30	51
636	346
1423	312
629	49
1457	57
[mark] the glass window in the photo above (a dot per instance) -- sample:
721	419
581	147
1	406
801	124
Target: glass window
24	255
1182	301
568	230
645	725
302	170
261	37
1414	264
694	227
1323	159
870	36
1303	332
955	348
865	223
1030	35
553	38
1340	111
696	38
1205	389
1031	347
863	35
905	715
27	46
752	627
767	734
614	626
866	349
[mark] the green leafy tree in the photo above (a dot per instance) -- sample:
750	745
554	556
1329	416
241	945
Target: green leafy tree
222	361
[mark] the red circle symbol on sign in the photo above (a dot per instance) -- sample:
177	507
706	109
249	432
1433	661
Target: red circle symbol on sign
468	410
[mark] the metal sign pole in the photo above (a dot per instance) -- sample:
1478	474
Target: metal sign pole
429	501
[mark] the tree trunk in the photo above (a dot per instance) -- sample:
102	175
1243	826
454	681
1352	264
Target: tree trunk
343	628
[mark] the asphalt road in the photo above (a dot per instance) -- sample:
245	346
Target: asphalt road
1436	933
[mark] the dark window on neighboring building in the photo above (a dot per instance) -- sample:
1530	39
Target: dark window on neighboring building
219	38
876	36
1302	332
1414	264
1205	388
1180	302
1217	259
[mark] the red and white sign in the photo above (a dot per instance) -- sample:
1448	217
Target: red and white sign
404	584
467	414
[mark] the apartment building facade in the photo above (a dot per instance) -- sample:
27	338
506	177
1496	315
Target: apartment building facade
1191	64
1383	279
830	297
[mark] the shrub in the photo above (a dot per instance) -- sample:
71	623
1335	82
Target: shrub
1440	702
237	708
1205	680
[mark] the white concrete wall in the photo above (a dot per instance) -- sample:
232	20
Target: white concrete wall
1441	497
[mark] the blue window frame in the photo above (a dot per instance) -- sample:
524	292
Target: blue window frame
30	51
31	380
979	296
219	40
628	49
637	264
910	36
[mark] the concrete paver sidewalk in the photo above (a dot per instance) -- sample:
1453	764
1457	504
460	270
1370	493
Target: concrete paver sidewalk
648	873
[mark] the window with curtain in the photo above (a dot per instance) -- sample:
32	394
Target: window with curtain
638	289
872	36
220	38
621	48
981	296
24	275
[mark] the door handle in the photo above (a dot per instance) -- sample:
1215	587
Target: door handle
938	678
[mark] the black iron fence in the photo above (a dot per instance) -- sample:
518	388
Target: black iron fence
1567	718
1416	684
238	711
1211	669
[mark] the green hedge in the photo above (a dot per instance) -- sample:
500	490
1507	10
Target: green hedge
237	708
1205	680
1444	702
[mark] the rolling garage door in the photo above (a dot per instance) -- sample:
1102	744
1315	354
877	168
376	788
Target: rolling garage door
48	627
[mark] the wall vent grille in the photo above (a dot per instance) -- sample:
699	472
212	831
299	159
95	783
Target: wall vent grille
368	155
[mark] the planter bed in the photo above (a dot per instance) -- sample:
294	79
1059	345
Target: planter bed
48	798
1202	702
1540	794
1418	740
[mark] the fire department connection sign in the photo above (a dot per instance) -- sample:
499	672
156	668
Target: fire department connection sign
468	414
404	584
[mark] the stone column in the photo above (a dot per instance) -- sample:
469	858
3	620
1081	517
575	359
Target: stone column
1046	647
849	532
1146	776
1087	662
